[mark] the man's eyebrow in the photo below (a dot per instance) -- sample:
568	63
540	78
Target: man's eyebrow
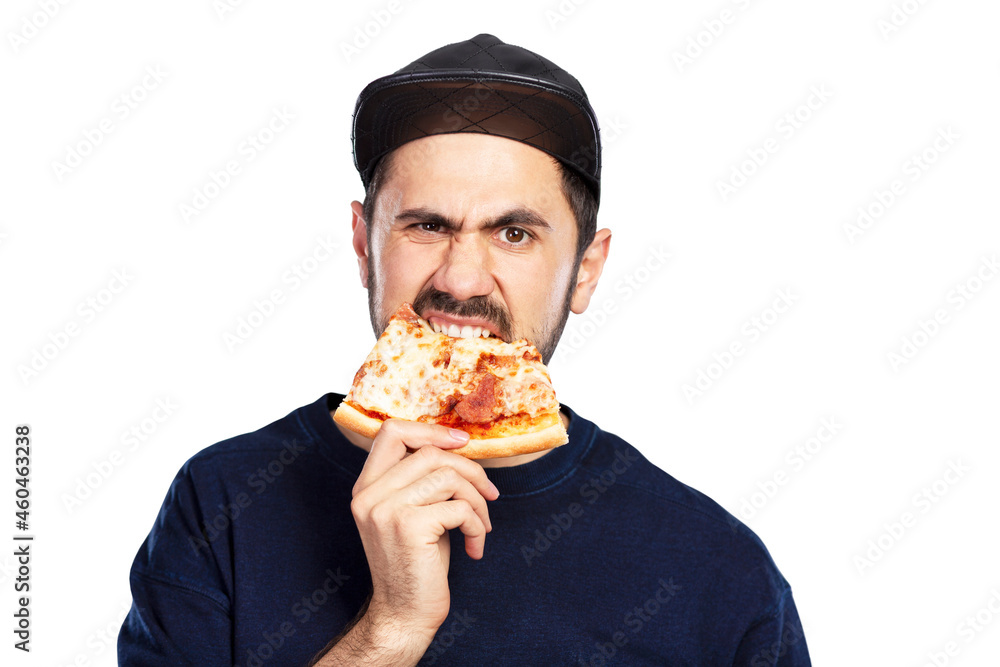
426	215
518	216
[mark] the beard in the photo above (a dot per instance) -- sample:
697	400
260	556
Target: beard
544	339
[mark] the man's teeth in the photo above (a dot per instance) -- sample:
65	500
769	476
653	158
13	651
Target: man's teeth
455	331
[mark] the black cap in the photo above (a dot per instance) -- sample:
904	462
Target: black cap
480	85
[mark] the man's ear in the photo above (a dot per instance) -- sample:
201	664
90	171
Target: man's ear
360	240
590	270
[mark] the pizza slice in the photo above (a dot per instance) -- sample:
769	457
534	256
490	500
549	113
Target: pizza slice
499	393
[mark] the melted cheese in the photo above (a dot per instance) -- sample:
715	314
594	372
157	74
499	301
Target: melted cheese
400	377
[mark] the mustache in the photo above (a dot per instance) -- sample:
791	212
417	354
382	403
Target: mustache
478	306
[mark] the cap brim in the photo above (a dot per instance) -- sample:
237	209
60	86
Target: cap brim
396	109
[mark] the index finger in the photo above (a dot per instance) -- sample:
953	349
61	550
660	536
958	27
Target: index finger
396	437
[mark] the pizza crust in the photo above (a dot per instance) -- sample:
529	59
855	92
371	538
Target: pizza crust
357	421
485	448
524	443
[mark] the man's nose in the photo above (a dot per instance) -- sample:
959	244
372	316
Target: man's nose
466	269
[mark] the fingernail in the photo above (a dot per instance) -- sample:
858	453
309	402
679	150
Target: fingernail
461	436
495	489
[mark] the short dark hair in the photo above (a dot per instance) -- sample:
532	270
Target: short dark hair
581	200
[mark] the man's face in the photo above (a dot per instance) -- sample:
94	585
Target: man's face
475	231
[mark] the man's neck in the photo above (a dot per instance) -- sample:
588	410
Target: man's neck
366	444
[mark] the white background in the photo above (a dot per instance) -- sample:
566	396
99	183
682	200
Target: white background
673	132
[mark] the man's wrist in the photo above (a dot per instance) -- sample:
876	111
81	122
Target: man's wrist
377	640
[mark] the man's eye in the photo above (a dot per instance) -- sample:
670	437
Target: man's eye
514	235
429	226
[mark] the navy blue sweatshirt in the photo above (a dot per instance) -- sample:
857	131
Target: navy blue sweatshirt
596	557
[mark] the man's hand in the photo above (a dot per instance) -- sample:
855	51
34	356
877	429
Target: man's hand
410	493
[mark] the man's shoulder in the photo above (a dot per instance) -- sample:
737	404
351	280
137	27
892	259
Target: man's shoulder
671	511
282	440
616	461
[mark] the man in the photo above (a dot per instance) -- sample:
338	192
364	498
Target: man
481	163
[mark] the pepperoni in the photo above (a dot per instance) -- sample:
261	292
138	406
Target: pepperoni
407	314
478	406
